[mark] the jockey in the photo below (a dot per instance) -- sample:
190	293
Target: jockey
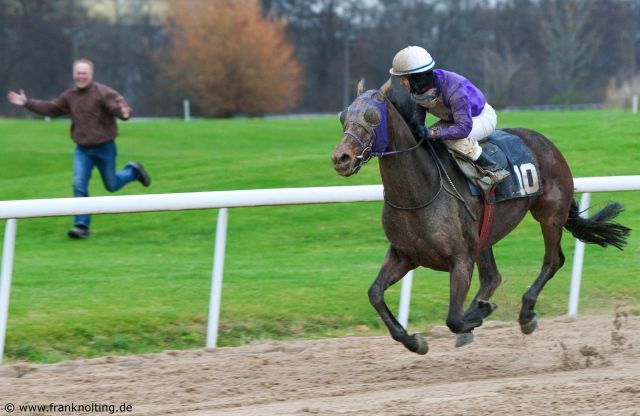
465	116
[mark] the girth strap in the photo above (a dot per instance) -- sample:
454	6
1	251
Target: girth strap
487	219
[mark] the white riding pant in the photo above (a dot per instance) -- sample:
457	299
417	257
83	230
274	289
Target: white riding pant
483	125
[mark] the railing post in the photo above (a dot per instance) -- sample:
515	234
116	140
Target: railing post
405	299
186	109
216	278
578	260
5	279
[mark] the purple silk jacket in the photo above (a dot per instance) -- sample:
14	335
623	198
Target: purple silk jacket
463	98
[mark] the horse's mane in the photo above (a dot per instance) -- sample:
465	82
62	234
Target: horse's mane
402	101
406	107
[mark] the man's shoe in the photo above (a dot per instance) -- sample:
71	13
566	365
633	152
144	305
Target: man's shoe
143	176
78	232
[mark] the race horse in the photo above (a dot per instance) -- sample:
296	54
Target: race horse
432	219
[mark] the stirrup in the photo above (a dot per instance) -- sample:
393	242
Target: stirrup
494	178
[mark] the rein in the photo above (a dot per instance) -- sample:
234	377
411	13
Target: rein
368	153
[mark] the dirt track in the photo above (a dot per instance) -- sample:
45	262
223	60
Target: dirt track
590	366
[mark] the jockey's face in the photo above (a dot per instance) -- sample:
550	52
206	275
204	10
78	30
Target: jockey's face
418	82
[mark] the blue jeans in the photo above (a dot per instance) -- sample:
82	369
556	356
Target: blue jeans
104	158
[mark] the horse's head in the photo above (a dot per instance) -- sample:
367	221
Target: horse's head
365	132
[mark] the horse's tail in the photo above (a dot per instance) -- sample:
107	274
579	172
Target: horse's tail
598	229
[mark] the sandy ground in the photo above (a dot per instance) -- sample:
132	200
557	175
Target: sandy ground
588	366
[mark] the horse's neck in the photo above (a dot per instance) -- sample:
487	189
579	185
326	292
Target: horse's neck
409	177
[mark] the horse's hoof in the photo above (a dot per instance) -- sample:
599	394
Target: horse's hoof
463	338
530	326
421	342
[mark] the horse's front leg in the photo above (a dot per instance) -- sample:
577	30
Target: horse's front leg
459	282
395	266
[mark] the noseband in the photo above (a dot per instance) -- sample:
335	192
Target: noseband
367	151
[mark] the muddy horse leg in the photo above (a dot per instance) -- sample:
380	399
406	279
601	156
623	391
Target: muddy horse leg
490	279
395	266
459	282
553	260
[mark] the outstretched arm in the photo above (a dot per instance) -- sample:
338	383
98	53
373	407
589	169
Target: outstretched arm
54	108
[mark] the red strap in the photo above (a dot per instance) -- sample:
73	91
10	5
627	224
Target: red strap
487	220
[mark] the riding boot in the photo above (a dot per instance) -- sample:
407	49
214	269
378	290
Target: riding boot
495	175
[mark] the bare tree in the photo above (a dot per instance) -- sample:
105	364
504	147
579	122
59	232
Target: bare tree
499	68
328	37
34	53
518	51
570	36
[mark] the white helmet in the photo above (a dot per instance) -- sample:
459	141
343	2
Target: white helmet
411	60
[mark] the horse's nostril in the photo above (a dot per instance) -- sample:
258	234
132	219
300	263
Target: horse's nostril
340	159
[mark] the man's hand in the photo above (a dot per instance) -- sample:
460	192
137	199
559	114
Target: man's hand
17	98
125	109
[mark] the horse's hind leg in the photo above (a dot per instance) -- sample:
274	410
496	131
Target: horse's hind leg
551	226
490	279
395	266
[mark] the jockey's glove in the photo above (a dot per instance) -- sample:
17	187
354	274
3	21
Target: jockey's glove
432	133
423	132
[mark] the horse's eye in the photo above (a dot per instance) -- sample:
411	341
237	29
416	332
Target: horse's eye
343	116
372	116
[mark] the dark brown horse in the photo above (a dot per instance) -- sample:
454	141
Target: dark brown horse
432	220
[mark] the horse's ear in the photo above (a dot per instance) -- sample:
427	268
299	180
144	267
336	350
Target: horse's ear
385	89
360	89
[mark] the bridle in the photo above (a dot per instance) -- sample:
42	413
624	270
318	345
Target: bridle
368	152
367	149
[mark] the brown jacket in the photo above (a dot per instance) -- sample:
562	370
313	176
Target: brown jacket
93	111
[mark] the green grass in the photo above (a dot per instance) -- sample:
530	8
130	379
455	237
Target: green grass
141	283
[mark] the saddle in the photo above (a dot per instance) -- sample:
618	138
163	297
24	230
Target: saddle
511	154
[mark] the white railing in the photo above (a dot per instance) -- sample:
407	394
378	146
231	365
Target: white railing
13	210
